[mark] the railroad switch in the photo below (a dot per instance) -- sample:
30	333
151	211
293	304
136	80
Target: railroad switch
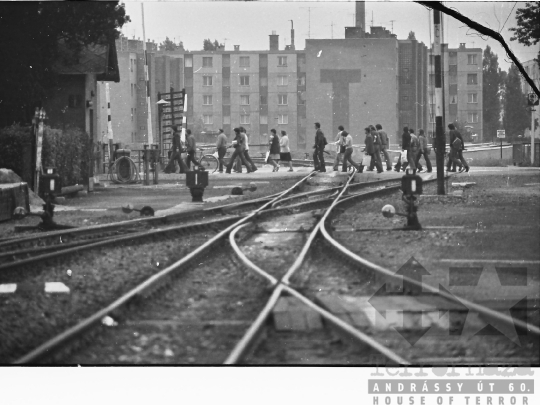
197	181
49	185
411	185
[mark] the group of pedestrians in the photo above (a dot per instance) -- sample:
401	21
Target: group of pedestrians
376	141
278	150
177	149
412	148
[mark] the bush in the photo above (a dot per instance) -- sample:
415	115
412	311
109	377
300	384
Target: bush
13	141
69	151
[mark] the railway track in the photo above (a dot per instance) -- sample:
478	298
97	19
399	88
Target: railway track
177	309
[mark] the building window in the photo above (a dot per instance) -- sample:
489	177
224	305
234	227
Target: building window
75	101
431	59
226	120
132	115
207	81
300	98
283	119
244	100
472	117
189	61
132	90
471	59
282	61
244	118
208	119
283	80
263	81
405	98
264	119
472	98
226	81
432	113
207	100
264	100
244	61
282	99
472	78
207	61
226	100
453	99
301	80
244	80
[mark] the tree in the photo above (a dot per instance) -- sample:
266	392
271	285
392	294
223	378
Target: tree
491	83
527	31
516	115
208	45
169	45
35	35
411	35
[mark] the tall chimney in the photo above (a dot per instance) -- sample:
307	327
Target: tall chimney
274	41
292	35
361	15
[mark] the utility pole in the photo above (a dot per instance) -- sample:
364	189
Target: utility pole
440	142
392	22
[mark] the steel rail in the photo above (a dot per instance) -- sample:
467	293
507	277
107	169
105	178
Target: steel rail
243	346
110	241
141	290
386	272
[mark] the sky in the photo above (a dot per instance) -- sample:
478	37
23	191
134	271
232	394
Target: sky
248	24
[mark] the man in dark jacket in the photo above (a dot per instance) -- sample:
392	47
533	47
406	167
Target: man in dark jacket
191	146
318	154
239	145
176	155
423	150
385	144
456	150
405	142
376	156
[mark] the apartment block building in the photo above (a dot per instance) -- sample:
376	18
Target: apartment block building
462	79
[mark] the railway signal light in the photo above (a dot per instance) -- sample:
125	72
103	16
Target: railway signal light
197	180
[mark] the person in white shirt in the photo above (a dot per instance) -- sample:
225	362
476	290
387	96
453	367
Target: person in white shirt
285	151
340	149
347	156
246	153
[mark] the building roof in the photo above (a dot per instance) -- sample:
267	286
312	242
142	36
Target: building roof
98	59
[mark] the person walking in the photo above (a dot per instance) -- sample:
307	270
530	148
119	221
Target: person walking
191	146
456	150
405	140
340	148
347	155
385	144
376	157
239	146
246	151
318	154
176	155
274	150
411	150
285	151
423	150
221	147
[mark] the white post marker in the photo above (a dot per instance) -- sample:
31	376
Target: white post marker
109	122
150	139
39	146
184	122
532	134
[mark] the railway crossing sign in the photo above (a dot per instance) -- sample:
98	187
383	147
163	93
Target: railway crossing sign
500	133
532	99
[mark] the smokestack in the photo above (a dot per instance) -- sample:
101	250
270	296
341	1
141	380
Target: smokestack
274	41
292	35
361	15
